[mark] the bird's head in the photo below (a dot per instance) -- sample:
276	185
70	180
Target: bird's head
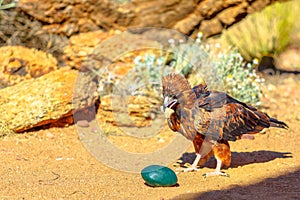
177	92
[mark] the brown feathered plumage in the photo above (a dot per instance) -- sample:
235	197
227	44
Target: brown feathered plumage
210	119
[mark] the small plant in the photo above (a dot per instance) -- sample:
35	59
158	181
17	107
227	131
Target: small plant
240	81
185	56
265	33
146	76
150	68
226	70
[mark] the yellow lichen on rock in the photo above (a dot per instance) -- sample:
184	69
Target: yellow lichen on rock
19	63
4	130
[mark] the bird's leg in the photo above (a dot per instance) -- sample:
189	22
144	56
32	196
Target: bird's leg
197	142
223	156
193	167
217	171
202	150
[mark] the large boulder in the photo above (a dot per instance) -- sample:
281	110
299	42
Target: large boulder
92	49
45	101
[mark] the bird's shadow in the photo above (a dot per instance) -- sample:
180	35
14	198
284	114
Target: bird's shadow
239	158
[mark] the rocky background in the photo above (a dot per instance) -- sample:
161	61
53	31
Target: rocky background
69	17
47	35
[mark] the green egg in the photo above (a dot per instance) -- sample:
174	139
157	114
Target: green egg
157	175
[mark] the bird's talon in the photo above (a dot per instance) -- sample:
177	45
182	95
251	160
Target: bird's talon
189	169
226	175
216	173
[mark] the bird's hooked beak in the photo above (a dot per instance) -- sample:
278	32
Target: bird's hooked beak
169	102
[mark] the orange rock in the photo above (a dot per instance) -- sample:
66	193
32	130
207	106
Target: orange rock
99	49
82	45
133	111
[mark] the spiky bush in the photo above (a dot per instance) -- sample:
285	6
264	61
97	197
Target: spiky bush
265	33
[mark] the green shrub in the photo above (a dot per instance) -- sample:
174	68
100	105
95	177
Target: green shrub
265	33
240	79
148	72
187	56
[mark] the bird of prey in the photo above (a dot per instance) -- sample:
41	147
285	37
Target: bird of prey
210	119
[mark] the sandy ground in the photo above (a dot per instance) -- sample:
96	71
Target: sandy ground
54	164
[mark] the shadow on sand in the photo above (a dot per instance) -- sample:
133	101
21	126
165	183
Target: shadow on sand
286	186
240	158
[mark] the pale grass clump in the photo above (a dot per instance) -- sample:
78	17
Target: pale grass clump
7	5
265	33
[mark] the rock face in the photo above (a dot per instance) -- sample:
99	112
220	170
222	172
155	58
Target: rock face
72	16
91	46
19	63
42	101
81	45
138	111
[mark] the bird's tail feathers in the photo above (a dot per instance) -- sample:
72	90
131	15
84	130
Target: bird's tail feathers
278	124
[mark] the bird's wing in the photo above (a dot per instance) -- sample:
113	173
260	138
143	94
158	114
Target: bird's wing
210	100
241	120
223	117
